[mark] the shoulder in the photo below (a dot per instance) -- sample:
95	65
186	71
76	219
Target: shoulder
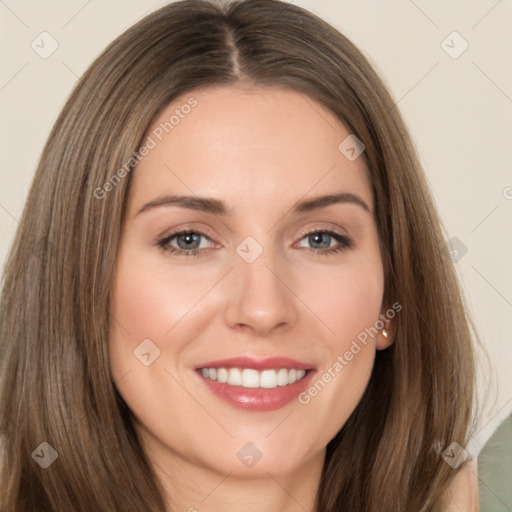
462	495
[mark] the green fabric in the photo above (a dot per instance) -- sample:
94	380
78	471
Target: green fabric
495	471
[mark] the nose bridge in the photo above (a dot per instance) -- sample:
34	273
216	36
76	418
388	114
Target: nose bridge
260	300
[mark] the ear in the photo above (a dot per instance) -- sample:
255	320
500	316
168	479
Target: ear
388	317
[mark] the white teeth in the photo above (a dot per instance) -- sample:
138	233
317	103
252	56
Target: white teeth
235	377
268	379
282	377
250	378
222	375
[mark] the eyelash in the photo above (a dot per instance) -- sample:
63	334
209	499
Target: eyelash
344	242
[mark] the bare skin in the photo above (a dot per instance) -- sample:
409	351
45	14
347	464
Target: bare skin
260	152
462	495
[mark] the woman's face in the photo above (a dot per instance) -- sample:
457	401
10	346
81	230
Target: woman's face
249	259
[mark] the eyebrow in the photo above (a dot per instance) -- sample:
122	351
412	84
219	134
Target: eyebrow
218	207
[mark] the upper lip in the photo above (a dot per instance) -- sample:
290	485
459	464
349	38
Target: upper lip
256	363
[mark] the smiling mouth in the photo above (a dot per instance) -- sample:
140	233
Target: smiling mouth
251	378
256	384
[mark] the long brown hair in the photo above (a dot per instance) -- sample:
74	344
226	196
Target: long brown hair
56	386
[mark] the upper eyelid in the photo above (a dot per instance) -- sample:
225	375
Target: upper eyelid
322	230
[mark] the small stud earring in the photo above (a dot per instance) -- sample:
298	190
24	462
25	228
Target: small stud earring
384	333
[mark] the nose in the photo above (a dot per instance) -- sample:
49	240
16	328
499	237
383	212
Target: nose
261	300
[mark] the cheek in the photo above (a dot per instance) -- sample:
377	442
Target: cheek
146	303
346	298
149	298
349	306
141	309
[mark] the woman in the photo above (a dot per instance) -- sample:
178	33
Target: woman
229	288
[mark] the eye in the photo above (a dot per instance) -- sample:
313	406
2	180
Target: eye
325	241
190	243
185	243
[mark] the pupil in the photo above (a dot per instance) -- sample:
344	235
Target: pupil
188	241
321	240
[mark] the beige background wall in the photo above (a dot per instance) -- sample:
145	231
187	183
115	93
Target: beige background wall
458	107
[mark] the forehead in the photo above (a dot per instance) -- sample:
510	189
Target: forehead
259	144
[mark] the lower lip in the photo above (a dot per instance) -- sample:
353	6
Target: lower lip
258	399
